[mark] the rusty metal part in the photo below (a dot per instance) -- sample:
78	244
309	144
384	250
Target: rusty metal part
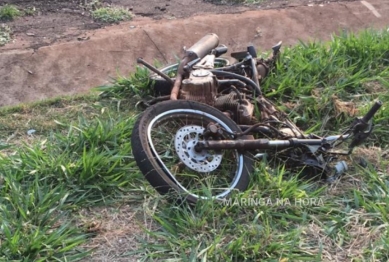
255	72
155	70
228	114
201	86
269	112
289	132
239	55
265	66
276	48
232	67
212	128
247	144
247	137
227	102
198	50
204	46
262	71
259	128
188	66
247	81
297	132
245	112
213	131
239	144
242	109
231	82
176	87
180	76
266	108
207	62
158	99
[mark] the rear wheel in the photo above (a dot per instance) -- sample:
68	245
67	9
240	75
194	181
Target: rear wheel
163	143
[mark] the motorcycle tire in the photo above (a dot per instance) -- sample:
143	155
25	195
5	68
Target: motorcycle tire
163	142
163	87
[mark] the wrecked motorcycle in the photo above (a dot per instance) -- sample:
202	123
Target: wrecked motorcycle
203	140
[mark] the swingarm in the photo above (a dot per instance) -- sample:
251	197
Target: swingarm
249	144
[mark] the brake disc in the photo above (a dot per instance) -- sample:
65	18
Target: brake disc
185	140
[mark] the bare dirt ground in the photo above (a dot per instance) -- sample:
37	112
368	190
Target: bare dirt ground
55	21
66	20
56	51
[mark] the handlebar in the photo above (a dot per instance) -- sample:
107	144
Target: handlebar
220	50
361	124
369	115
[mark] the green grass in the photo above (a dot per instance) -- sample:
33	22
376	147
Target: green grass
5	34
352	68
79	164
137	84
80	158
9	12
29	11
111	14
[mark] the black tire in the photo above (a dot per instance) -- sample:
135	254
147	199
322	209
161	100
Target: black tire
193	116
163	87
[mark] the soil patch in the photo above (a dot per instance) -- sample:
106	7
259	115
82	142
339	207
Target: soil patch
67	20
33	68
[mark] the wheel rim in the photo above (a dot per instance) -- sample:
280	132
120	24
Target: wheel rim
221	171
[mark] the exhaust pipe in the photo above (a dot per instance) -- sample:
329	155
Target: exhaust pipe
203	47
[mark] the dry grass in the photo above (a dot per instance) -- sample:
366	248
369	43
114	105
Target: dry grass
372	155
347	107
43	116
362	236
116	231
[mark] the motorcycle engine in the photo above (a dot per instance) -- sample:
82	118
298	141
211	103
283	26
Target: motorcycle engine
202	86
239	109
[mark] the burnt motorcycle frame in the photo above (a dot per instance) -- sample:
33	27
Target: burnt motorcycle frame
276	132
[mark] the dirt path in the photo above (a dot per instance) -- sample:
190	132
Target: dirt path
29	74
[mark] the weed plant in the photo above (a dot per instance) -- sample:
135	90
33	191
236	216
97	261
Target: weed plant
5	34
9	12
111	14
